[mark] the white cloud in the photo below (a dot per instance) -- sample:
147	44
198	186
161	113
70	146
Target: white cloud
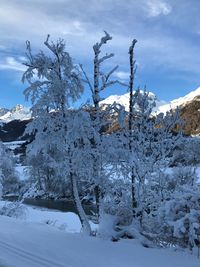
10	63
122	75
19	24
82	26
158	7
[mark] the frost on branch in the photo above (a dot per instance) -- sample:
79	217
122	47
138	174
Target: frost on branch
53	79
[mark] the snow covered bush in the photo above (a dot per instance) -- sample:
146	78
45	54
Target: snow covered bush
46	178
179	219
185	176
117	202
9	179
152	144
188	154
13	209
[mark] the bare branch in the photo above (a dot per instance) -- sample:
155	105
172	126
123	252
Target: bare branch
105	57
105	79
111	72
86	77
131	48
29	53
104	40
47	43
28	46
108	84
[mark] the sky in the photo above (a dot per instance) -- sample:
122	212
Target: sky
167	51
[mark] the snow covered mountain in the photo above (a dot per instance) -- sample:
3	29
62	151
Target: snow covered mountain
22	113
182	101
124	101
3	111
14	121
19	112
161	106
189	106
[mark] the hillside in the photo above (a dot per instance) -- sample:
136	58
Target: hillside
189	106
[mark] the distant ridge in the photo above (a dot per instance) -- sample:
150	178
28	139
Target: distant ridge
18	112
161	105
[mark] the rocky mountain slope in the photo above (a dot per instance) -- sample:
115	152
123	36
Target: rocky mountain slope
190	112
189	106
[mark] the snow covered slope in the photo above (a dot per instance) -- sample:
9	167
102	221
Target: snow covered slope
161	106
124	101
182	101
3	111
19	112
24	244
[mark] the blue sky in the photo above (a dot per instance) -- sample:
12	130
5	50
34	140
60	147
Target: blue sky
167	52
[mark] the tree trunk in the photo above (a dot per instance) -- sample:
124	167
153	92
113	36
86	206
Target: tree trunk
130	122
97	193
81	213
96	99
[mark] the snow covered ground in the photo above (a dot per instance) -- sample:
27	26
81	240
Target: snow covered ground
46	238
25	244
67	221
22	172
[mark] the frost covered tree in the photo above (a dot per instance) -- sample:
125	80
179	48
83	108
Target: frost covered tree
44	174
153	144
78	159
178	219
131	117
54	84
101	81
150	140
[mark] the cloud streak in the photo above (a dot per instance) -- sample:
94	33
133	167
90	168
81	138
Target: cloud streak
10	63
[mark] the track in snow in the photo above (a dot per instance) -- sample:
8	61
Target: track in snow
35	260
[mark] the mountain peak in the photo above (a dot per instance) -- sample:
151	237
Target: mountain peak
124	101
161	106
18	112
17	108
